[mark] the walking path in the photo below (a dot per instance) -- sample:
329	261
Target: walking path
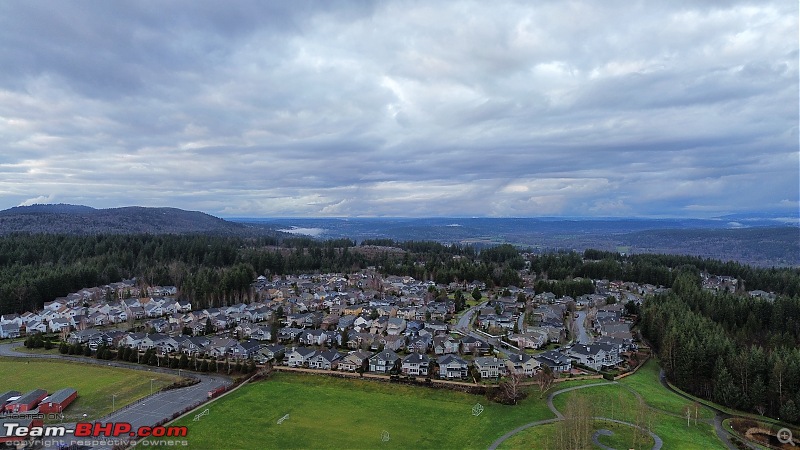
719	415
559	417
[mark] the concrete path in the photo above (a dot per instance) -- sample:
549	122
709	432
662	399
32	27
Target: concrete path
719	415
658	443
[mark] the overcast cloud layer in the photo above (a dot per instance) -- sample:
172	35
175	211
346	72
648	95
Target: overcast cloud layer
402	108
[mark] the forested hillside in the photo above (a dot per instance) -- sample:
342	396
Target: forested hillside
739	351
75	219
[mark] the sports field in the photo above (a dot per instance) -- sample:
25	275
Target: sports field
95	384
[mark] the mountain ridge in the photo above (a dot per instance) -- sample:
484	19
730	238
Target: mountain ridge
79	219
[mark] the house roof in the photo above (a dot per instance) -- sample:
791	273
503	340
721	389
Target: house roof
31	396
7	395
386	355
447	359
416	358
60	395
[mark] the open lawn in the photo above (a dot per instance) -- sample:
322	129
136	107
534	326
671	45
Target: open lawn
646	382
550	436
326	412
329	412
95	384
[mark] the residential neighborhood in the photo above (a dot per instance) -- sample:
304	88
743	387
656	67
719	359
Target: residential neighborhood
333	322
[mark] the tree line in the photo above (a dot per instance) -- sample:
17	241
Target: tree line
738	351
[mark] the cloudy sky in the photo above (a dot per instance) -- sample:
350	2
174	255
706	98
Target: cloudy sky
402	108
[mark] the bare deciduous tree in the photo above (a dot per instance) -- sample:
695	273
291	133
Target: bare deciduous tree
511	389
576	428
545	379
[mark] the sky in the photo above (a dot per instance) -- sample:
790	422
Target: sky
402	108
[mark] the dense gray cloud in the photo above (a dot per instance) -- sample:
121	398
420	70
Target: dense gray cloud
402	108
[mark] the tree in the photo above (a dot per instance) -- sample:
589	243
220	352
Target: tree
183	362
789	412
577	424
209	328
476	294
544	377
511	388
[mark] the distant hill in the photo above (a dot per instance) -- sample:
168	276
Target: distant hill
76	219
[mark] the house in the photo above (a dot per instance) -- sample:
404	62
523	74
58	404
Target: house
35	326
261	333
532	339
346	322
58	324
379	325
620	344
354	361
58	401
218	347
416	364
384	361
313	337
298	356
443	345
326	360
522	364
611	328
244	350
594	356
274	352
289	334
489	367
193	345
362	324
26	402
452	367
395	326
356	340
471	344
420	344
9	330
556	361
393	343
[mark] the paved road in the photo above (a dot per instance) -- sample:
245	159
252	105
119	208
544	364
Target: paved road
465	321
580	322
658	443
147	411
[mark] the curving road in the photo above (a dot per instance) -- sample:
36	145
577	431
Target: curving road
148	411
658	443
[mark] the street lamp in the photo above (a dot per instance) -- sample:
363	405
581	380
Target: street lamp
151	385
113	402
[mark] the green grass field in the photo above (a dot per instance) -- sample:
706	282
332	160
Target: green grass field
325	412
646	383
95	384
334	413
